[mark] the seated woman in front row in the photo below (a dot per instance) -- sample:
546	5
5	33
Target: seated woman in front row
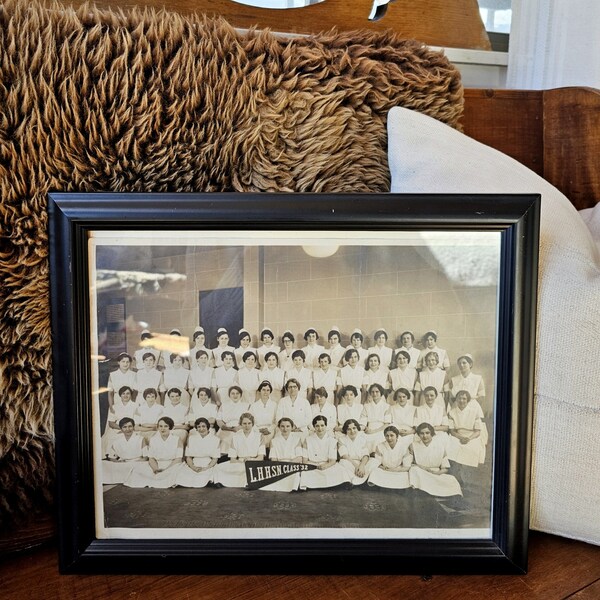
467	441
246	444
320	449
287	446
394	461
126	449
201	455
165	453
354	453
429	471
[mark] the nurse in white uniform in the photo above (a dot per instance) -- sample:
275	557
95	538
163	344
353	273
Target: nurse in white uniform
320	449
429	471
126	449
407	339
286	446
246	444
123	376
393	462
201	455
285	356
267	338
467	380
312	350
245	344
384	352
356	341
273	374
430	345
222	346
336	351
354	453
466	444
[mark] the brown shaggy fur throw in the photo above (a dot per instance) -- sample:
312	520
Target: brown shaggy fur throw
150	101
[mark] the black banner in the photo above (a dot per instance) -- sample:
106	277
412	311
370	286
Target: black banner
263	472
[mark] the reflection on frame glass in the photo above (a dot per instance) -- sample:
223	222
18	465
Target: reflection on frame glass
390	331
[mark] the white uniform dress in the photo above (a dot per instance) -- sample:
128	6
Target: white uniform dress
403	417
298	411
148	415
435	416
385	354
312	354
120	410
319	450
233	474
414	354
436	379
389	457
117	379
248	380
285	450
215	354
276	377
404	378
465	422
164	452
264	416
303	377
239	354
230	413
201	450
178	377
351	454
286	362
336	353
363	353
432	456
263	350
326	379
328	411
179	413
346	411
149	378
444	361
375	415
138	356
223	379
201	378
472	383
351	376
129	451
207	410
380	376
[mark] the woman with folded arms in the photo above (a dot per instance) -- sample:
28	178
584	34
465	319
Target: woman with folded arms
467	441
353	449
165	453
126	449
201	455
393	461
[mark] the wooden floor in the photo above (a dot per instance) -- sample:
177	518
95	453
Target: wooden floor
559	568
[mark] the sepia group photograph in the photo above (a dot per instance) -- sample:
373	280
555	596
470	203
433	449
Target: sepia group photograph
294	384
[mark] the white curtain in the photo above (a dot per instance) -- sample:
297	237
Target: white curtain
554	43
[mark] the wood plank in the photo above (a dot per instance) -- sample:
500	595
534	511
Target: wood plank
558	567
508	120
449	23
590	592
572	143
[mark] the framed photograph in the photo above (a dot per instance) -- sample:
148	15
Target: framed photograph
291	383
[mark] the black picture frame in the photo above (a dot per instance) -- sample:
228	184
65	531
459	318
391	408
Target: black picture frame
73	216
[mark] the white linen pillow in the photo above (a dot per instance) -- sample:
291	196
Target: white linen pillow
426	156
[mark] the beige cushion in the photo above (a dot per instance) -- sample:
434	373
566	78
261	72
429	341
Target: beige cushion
427	156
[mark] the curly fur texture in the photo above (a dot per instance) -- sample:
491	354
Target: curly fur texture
151	101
